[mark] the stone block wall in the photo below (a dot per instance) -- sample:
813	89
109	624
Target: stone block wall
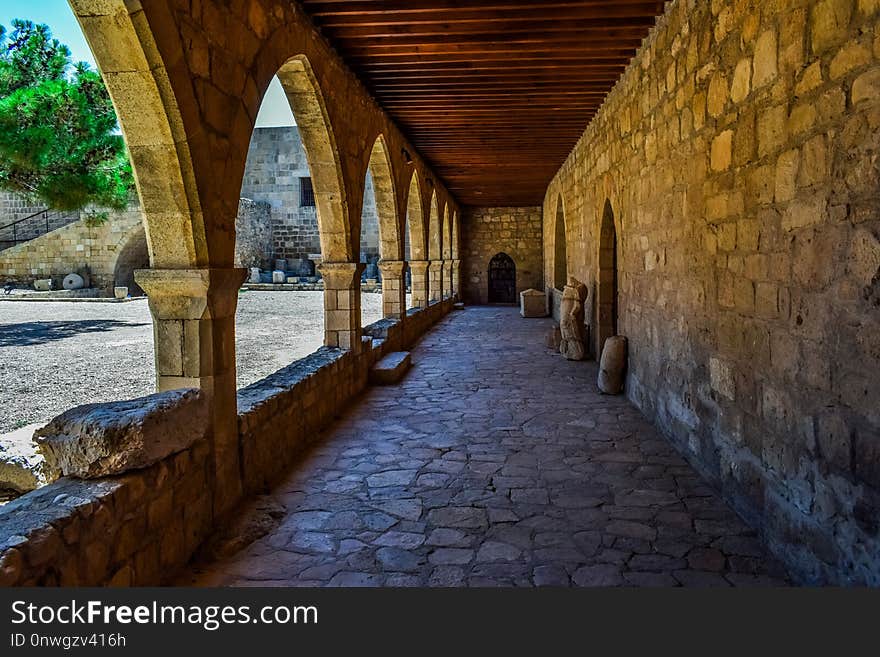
739	155
276	165
489	231
76	247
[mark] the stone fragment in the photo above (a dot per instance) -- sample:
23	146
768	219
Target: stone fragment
532	303
612	367
553	338
100	440
574	337
21	466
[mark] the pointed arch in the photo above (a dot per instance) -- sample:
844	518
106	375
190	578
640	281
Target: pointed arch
435	238
415	217
607	293
446	235
152	125
560	247
380	168
319	142
455	236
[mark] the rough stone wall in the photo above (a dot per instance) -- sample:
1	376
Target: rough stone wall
489	231
740	156
276	165
253	235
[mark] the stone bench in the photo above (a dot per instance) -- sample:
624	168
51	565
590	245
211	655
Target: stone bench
391	368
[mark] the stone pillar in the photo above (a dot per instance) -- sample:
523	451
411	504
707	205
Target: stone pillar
342	304
435	281
393	288
194	336
447	278
419	273
456	278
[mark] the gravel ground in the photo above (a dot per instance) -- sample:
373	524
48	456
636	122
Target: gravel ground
56	355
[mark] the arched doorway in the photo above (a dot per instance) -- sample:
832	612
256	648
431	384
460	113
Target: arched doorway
133	255
560	258
606	301
502	279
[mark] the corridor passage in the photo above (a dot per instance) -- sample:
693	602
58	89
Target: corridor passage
495	463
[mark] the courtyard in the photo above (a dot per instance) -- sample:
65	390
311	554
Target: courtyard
56	355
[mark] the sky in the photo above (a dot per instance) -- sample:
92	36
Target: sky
275	110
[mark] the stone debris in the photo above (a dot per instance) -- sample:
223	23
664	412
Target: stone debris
612	367
22	467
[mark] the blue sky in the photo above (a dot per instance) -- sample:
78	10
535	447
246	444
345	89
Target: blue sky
58	16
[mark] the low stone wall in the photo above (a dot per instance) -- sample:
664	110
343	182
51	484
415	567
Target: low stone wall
141	527
120	531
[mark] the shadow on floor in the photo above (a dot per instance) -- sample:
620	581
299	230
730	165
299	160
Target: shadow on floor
32	333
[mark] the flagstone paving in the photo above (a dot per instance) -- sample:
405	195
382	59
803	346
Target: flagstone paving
496	463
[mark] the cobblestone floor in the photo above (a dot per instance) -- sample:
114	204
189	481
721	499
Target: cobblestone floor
57	355
496	462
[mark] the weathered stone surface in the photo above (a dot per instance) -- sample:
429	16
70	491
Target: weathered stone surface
391	369
532	303
571	323
21	465
98	440
553	338
612	367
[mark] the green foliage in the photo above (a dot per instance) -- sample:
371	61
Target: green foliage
59	137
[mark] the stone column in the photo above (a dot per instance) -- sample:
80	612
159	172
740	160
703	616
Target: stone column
435	281
342	304
393	288
419	273
447	278
456	278
194	337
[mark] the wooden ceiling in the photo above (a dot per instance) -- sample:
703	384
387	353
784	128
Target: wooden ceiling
493	94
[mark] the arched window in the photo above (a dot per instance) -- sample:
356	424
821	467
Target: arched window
606	302
560	258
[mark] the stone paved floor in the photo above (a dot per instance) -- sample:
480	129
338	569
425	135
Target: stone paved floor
496	463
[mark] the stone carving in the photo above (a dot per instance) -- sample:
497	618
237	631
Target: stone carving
99	440
553	338
532	303
571	320
612	367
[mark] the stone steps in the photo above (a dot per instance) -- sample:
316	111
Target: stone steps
391	368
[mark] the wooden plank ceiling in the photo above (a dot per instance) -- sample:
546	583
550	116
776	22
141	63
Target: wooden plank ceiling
493	94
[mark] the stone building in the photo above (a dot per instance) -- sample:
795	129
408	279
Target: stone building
709	172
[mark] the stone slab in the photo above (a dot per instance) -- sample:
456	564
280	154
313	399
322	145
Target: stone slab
391	368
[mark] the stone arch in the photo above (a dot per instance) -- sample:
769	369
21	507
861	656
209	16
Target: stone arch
446	235
560	255
390	244
502	279
455	236
151	120
607	279
435	236
415	217
132	254
319	142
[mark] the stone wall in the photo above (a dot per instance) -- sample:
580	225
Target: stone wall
739	157
489	231
276	166
76	247
253	235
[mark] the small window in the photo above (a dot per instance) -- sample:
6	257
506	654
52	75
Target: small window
306	193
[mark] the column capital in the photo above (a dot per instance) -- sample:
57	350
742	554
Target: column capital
436	265
419	266
392	268
341	275
191	293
